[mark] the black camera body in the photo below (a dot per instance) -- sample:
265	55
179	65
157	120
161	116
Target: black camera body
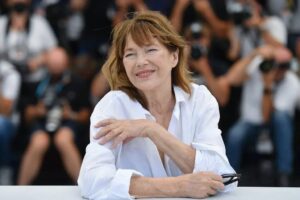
239	12
197	50
54	115
268	64
54	118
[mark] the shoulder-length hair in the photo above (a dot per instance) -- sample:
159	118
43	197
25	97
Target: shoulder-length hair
142	27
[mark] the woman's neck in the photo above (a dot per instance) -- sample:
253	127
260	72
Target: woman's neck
160	101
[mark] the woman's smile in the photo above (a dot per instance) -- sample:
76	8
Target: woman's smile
144	74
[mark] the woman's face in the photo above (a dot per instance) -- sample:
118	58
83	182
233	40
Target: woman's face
149	67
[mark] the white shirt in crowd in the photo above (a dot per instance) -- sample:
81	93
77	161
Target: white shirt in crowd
106	172
285	95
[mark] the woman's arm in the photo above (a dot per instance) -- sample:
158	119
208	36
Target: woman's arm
182	154
119	131
198	185
100	179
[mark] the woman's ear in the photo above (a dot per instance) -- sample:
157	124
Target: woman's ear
174	58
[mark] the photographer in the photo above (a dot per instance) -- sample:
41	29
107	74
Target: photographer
59	107
24	39
269	98
253	27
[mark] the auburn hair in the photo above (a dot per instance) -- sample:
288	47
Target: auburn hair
143	27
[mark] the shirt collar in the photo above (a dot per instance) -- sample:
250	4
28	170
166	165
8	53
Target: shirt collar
181	97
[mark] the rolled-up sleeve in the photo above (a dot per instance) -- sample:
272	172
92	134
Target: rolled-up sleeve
99	177
208	143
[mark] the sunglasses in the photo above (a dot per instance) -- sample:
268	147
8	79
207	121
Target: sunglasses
230	178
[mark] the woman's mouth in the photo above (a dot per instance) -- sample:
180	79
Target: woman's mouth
144	73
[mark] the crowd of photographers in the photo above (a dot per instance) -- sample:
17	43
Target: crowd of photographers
246	52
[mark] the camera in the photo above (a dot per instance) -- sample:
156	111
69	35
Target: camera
54	106
238	12
266	65
53	118
197	50
269	64
196	30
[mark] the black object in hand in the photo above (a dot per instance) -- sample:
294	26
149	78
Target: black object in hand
230	178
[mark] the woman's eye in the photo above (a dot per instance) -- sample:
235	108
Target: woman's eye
128	55
151	50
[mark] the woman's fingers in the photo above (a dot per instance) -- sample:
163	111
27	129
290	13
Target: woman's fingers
214	176
110	135
104	123
211	191
217	185
106	129
119	139
118	130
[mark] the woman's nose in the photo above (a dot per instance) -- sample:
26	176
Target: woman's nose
141	60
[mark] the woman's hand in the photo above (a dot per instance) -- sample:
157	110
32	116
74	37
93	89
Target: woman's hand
200	185
119	131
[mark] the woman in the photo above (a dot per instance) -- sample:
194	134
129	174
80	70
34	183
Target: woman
155	134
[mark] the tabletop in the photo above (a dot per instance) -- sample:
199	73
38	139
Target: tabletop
72	193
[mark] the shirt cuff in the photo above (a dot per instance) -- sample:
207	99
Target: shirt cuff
198	166
211	161
121	182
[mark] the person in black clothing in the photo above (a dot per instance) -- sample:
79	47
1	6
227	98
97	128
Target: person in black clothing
59	106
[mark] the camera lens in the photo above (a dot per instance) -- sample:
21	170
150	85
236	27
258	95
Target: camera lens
267	65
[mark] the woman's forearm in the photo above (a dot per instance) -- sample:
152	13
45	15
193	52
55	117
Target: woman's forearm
197	185
183	155
155	187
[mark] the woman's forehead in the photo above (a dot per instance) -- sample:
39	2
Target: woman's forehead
150	40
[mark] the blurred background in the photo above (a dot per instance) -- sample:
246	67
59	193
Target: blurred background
247	52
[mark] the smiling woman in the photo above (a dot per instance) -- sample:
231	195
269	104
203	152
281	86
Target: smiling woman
155	134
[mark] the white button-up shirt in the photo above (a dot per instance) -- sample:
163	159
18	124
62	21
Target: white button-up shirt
105	173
